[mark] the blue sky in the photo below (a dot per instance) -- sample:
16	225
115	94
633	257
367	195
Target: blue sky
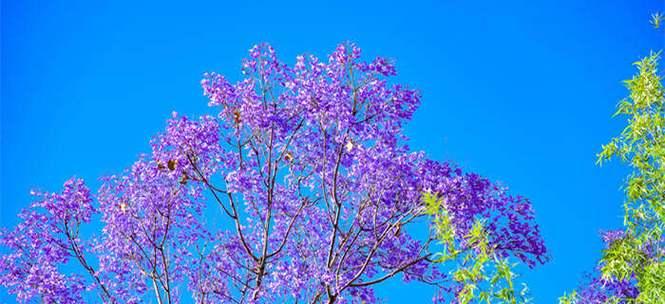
519	91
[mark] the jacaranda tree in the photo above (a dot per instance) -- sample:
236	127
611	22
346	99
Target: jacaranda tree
632	268
317	189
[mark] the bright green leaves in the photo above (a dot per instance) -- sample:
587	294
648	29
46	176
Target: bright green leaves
646	90
642	145
656	20
471	272
608	151
652	283
639	254
481	274
569	298
443	228
636	188
637	258
622	258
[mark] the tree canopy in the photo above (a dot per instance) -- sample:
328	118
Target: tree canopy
317	189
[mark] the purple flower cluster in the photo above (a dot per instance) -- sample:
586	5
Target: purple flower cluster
599	291
508	219
46	239
152	213
312	174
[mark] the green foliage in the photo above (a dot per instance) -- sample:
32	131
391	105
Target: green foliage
569	298
484	277
656	20
641	145
652	283
622	258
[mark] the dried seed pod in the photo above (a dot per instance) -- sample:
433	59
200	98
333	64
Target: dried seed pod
236	117
288	156
171	164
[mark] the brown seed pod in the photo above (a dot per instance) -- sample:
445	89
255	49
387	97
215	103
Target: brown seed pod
288	156
171	164
236	117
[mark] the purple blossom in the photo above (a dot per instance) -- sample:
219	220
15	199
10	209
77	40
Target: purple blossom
311	183
612	235
46	239
598	291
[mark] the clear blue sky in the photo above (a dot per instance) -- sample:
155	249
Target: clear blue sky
519	91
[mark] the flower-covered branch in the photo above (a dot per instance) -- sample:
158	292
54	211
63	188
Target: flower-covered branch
300	187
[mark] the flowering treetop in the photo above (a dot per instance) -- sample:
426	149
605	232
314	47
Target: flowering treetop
310	169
